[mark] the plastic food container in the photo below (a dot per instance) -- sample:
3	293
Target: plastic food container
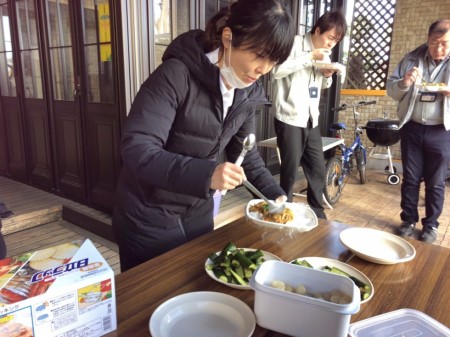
403	322
298	315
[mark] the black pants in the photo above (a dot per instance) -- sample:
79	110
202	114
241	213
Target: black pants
302	146
425	156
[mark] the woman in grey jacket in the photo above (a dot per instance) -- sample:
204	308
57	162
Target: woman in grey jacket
198	104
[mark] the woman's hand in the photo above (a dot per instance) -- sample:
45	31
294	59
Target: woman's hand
281	199
227	176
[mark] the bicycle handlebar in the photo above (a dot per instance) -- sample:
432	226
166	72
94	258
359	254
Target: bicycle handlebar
345	106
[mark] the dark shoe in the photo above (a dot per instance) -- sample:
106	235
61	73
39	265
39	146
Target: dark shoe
429	234
406	229
6	214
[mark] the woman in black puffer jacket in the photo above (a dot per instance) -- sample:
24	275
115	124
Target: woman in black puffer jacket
199	103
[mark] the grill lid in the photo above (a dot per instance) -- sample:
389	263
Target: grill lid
380	123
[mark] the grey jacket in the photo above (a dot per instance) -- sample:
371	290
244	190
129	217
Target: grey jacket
406	96
290	85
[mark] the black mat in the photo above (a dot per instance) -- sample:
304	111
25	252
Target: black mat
5	212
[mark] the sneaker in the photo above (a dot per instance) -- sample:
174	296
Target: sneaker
406	229
429	234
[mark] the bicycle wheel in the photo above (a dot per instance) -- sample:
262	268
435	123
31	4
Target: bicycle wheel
333	187
360	165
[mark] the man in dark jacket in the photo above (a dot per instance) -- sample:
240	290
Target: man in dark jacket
199	103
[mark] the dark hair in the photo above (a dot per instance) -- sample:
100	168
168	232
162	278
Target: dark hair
439	27
330	20
265	26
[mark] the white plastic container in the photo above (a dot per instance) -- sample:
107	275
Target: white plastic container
298	315
403	322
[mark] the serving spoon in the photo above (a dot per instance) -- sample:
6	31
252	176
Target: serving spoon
247	145
274	208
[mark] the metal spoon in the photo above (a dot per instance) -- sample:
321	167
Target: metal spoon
274	208
247	145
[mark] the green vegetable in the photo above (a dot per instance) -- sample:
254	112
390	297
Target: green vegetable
228	248
220	274
338	271
363	288
233	265
303	263
245	261
255	255
238	278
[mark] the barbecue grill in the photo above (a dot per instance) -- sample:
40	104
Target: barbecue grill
385	132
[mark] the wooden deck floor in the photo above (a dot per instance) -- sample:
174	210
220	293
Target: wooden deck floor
38	220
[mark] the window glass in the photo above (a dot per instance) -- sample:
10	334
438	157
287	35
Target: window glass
97	51
7	79
28	46
60	41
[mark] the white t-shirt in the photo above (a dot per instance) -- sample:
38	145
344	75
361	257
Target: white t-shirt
227	95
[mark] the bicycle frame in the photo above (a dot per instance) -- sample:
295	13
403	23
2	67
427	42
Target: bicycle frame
338	168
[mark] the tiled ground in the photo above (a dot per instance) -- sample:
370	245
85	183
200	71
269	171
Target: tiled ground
377	204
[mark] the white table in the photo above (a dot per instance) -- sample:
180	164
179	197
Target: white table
327	143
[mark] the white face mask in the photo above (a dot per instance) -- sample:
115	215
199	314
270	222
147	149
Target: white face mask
230	76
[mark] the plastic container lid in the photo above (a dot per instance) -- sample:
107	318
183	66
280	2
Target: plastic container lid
403	322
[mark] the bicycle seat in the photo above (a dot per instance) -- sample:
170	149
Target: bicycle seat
337	126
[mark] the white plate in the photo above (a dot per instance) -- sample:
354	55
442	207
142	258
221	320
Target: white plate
329	66
202	314
433	88
266	255
304	217
320	262
377	246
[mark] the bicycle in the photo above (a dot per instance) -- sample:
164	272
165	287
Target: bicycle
338	168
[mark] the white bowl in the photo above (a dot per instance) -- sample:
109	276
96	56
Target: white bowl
297	315
304	217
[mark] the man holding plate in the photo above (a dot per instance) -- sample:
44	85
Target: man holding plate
296	88
424	113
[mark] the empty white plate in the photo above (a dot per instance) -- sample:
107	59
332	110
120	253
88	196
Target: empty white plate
202	313
377	246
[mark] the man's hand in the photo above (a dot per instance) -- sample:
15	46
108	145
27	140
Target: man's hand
320	54
327	72
410	76
227	176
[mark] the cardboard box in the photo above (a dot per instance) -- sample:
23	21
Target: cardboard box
63	291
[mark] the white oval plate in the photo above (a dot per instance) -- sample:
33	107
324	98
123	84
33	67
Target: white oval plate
377	246
202	313
266	255
433	88
304	217
320	262
329	65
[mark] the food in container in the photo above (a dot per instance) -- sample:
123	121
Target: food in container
297	315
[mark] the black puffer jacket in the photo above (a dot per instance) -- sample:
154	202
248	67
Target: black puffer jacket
173	137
